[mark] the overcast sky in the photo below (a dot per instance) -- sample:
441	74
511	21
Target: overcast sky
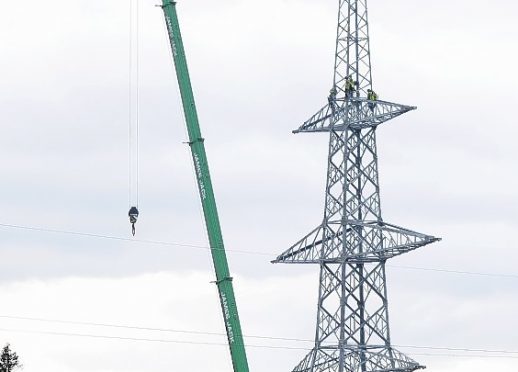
259	69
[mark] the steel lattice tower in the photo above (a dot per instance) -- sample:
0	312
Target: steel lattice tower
353	243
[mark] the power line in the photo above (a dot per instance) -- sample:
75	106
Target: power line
513	276
469	350
204	247
463	356
205	333
168	341
124	326
119	238
186	342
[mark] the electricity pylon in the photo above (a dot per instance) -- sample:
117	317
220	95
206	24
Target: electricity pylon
353	243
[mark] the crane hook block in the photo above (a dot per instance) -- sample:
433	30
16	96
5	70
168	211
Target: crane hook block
133	216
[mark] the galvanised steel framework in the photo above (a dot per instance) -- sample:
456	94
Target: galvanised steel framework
353	243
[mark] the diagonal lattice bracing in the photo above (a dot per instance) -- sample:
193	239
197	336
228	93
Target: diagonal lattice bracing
375	360
364	242
353	243
352	56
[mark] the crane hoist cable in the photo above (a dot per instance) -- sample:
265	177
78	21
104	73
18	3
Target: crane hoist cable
133	113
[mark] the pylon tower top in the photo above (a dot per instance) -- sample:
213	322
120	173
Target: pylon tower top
353	243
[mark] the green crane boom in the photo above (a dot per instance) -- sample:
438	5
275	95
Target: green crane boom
223	278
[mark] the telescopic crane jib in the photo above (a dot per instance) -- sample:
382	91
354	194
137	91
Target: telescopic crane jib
223	278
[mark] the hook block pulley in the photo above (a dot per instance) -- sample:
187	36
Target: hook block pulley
133	217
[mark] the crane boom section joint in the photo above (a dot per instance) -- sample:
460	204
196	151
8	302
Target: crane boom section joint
196	143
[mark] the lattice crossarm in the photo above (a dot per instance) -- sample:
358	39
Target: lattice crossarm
306	249
365	113
322	119
354	113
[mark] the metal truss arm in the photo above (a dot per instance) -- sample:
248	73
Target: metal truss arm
356	113
379	241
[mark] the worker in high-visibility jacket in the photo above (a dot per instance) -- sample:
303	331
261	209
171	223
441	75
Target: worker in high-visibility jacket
372	96
331	99
350	86
332	95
